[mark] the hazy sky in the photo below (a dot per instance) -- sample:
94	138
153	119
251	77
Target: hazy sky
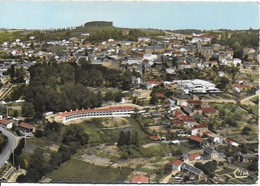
162	15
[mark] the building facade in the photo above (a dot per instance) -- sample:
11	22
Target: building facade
118	111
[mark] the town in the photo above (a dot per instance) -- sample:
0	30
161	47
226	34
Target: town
140	105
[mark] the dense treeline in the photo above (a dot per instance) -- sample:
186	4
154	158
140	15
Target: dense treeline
64	86
17	152
3	141
38	165
237	41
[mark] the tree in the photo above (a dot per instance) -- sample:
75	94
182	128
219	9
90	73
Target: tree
118	96
28	109
109	96
238	50
122	139
153	99
246	130
253	166
99	98
75	133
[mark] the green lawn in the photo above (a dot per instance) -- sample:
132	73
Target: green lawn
161	150
143	137
76	171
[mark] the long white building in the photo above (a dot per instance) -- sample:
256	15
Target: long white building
116	111
197	86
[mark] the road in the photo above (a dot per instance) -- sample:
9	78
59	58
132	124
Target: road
246	101
12	143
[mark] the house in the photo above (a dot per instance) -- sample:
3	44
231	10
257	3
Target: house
177	122
231	142
192	171
249	157
176	165
151	84
189	121
187	111
198	129
26	127
237	61
212	137
160	95
195	156
209	111
194	103
198	110
6	123
139	179
210	151
196	141
154	138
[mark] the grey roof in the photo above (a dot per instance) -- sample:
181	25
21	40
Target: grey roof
210	150
206	48
191	169
222	155
249	155
187	109
205	157
149	47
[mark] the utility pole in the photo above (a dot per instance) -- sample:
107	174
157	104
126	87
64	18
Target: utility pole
13	158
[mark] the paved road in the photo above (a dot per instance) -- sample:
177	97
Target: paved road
12	143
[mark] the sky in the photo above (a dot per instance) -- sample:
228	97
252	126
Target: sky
26	14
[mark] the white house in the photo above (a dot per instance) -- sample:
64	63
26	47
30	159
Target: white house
176	165
237	61
150	57
151	84
170	71
5	123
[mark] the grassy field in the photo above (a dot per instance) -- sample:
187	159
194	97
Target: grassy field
143	137
76	171
161	150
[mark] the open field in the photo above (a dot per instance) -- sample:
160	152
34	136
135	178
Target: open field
76	171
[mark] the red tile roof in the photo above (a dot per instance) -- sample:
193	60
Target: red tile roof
241	86
199	126
139	179
208	132
186	118
177	122
177	162
26	125
5	121
196	102
96	110
178	113
161	95
154	138
153	82
196	138
192	156
209	110
194	108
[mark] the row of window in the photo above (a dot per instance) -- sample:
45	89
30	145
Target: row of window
83	115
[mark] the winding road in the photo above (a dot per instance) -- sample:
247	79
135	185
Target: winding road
10	146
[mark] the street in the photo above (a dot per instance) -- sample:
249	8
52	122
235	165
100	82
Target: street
12	143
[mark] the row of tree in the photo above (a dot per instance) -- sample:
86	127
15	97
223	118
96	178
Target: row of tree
3	141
